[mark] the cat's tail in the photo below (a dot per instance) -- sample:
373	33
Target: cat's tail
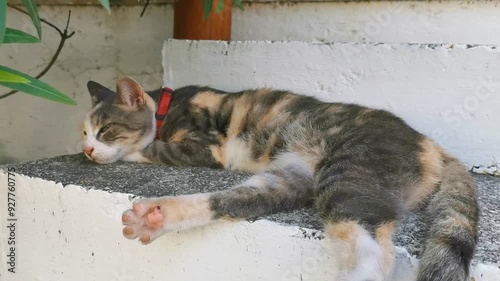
453	218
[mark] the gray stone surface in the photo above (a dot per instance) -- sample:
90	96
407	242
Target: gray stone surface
156	180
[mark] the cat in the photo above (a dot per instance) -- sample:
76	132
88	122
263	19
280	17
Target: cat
362	169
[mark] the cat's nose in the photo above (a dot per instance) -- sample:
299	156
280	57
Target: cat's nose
88	150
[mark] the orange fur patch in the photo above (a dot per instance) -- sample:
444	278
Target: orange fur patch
264	91
454	222
431	169
208	100
178	136
383	235
346	232
278	113
333	130
239	115
266	155
219	154
334	108
363	116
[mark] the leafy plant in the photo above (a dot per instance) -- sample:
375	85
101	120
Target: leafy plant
18	81
208	4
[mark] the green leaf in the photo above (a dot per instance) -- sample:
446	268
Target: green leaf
35	87
207	8
105	4
238	3
220	6
33	12
3	19
18	36
7	76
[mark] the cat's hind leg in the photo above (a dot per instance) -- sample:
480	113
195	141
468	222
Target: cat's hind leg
275	191
362	256
360	215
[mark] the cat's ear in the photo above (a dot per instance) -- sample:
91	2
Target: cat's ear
99	93
130	93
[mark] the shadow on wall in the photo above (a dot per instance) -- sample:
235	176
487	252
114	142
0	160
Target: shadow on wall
7	160
4	158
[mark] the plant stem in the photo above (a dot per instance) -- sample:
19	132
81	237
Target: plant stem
144	8
65	35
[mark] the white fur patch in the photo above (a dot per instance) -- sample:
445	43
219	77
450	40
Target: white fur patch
150	137
291	158
136	157
370	257
196	212
369	260
239	157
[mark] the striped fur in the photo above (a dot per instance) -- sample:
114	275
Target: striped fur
362	169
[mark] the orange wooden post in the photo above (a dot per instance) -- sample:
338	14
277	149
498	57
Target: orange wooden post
190	24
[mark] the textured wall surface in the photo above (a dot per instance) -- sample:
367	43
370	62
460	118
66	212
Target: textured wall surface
371	21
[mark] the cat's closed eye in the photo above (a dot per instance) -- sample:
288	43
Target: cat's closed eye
105	128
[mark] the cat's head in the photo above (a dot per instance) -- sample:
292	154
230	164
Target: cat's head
119	123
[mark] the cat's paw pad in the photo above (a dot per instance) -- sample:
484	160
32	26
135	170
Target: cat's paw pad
145	220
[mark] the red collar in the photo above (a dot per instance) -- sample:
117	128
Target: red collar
166	96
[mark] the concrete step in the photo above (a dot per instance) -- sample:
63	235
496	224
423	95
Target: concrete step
68	227
449	92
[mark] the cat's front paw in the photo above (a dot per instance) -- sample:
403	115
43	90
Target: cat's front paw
145	220
150	218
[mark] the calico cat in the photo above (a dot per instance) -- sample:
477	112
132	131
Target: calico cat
362	169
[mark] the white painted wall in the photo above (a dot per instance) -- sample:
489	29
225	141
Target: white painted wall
449	92
70	233
456	21
107	46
